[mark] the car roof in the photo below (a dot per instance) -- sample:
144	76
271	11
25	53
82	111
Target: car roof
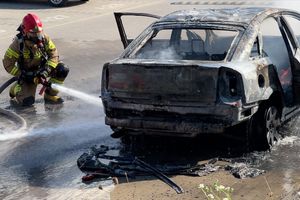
234	15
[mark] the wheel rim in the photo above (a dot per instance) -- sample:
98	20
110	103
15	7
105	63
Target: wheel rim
272	124
56	1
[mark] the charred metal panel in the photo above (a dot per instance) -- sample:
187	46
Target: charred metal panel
243	15
218	111
185	121
183	129
244	48
250	72
162	84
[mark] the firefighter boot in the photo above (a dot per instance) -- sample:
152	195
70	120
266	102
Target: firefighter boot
51	97
22	94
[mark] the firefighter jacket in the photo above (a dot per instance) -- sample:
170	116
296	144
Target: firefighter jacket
32	56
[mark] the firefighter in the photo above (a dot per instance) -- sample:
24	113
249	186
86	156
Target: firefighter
33	58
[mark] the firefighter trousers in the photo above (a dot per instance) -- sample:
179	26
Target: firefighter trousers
24	92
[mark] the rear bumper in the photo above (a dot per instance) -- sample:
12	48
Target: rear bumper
175	128
172	120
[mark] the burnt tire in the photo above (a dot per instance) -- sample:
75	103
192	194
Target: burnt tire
57	3
263	128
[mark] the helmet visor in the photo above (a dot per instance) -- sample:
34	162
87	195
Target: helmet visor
35	35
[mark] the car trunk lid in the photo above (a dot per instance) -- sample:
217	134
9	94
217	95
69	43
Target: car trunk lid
166	84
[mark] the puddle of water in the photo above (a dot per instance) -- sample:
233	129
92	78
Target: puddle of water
97	190
13	135
9	133
290	140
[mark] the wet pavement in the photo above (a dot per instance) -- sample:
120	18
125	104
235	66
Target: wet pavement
44	159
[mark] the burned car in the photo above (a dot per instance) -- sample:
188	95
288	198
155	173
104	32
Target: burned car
204	71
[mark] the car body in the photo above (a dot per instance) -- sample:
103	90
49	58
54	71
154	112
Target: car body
206	71
59	3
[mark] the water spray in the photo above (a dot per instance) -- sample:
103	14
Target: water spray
75	93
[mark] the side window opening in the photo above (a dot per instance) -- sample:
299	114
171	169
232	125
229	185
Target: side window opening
274	45
294	25
255	52
276	49
185	44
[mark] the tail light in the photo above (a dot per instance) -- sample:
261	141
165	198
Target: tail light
230	87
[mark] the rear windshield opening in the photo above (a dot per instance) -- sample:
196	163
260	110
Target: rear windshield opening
185	44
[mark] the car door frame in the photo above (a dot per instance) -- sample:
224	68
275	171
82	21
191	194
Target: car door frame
294	53
118	17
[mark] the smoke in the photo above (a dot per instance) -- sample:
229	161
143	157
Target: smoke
166	54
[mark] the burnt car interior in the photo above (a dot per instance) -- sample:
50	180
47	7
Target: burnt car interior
186	44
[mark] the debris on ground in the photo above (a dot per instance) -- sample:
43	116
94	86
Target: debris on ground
241	170
98	163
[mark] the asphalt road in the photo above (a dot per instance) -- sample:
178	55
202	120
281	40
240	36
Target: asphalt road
40	163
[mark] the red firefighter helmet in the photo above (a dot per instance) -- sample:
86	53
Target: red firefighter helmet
32	23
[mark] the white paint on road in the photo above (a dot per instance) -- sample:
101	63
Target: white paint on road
55	18
111	6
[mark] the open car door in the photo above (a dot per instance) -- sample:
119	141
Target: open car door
293	35
118	16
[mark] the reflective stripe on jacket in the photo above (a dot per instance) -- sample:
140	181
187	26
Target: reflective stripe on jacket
32	56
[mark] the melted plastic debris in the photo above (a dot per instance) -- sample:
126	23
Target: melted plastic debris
242	171
97	162
207	169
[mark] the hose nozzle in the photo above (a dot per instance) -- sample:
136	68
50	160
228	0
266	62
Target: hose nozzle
46	84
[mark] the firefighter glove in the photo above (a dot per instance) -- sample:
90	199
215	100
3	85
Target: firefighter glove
36	80
44	72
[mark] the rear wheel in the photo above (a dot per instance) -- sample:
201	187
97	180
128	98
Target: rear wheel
57	3
263	128
272	124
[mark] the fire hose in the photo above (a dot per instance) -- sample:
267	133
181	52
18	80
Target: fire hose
22	125
7	83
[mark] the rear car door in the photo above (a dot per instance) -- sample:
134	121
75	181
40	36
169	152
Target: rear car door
291	27
275	46
119	16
